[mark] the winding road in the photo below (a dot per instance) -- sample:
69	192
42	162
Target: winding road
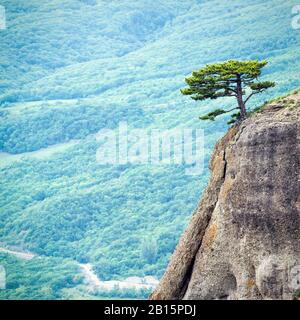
91	277
19	254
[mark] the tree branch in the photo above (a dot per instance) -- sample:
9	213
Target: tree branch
231	109
251	95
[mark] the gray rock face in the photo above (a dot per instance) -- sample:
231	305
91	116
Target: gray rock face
243	241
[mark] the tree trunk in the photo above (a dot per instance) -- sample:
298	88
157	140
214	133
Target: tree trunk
240	100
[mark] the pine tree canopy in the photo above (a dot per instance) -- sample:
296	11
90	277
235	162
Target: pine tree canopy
228	79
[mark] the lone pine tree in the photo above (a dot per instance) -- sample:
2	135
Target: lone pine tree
228	79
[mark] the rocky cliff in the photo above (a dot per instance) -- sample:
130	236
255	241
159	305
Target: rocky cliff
243	241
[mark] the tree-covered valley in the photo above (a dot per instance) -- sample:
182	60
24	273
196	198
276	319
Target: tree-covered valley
70	68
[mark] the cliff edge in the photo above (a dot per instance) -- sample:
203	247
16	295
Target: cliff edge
243	241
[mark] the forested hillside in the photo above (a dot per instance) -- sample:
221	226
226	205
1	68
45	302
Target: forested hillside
72	67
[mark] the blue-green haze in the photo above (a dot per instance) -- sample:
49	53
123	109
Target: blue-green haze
70	68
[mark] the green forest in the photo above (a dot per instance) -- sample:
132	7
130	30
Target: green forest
71	68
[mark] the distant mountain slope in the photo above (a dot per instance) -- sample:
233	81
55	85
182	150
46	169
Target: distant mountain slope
71	68
50	35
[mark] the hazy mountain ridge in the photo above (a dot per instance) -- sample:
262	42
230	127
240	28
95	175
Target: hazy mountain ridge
70	69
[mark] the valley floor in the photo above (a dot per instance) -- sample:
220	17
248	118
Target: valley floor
92	279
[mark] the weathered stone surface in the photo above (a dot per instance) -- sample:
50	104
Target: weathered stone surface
243	241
